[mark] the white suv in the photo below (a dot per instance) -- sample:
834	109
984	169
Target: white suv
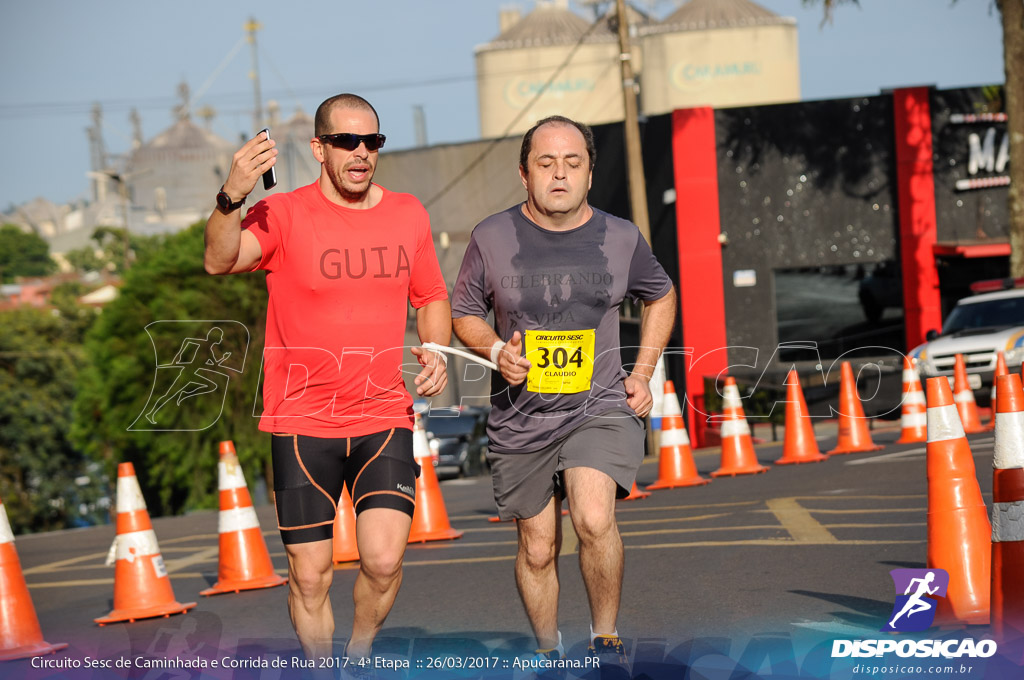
978	328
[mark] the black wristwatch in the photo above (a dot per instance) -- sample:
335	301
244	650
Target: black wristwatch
225	204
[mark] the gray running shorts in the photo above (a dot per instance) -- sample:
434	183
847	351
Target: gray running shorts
612	443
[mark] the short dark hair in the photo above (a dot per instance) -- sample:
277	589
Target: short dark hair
322	124
588	138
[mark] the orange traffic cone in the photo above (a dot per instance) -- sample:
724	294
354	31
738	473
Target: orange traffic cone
914	417
963	395
345	547
429	519
142	588
738	456
958	527
635	494
20	634
1007	500
854	436
1000	370
675	459
800	445
244	560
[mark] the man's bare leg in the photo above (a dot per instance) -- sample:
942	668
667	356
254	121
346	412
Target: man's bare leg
310	572
540	541
381	534
592	500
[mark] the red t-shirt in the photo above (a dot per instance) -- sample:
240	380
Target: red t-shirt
340	281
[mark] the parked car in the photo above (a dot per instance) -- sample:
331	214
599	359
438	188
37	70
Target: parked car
979	327
880	289
458	439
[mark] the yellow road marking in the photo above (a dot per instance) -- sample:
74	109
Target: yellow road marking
776	542
620	509
55	566
792	516
876	526
689	530
798	522
771	542
848	498
888	457
824	511
74	563
672	519
72	584
208	555
110	581
195	537
698	506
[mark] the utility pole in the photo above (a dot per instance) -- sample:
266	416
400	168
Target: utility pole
123	186
251	27
634	159
97	152
419	125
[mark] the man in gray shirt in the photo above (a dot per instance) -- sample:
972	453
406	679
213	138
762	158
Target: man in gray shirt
565	419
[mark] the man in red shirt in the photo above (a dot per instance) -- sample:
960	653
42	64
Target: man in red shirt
344	258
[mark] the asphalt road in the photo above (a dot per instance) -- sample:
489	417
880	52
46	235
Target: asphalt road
752	571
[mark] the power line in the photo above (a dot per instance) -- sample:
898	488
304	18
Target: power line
37	109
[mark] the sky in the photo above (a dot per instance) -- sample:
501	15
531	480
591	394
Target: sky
62	56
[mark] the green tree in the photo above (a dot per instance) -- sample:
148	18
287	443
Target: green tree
108	253
1012	15
177	469
77	317
45	483
85	259
23	254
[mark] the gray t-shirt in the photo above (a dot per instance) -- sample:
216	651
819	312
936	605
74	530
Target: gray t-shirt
561	290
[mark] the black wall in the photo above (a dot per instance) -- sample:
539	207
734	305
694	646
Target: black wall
808	185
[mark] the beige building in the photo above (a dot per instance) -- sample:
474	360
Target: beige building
173	176
720	53
296	166
513	69
708	52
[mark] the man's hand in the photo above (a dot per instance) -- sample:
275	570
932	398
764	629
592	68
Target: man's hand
638	394
511	363
248	165
432	380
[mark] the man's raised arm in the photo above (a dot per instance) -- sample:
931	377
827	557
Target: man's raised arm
228	249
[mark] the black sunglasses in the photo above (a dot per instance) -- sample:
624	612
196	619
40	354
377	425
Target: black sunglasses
350	142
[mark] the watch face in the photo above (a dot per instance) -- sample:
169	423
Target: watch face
224	201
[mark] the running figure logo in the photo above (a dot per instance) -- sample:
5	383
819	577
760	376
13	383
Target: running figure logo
206	354
914	610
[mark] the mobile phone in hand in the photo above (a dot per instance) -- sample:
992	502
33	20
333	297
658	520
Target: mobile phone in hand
269	177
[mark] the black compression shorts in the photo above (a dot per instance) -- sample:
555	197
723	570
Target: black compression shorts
378	469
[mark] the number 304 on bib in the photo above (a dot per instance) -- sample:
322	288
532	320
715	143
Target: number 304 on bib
561	362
